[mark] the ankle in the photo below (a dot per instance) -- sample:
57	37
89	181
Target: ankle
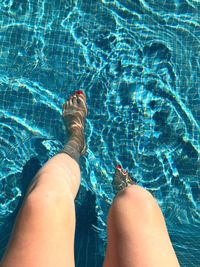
75	131
77	142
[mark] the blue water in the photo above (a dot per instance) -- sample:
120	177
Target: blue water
138	63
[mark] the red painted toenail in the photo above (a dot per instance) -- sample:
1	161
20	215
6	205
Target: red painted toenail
118	167
79	92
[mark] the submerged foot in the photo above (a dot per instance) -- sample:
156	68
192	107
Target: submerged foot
74	115
121	179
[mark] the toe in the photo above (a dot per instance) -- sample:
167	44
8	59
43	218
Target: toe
81	102
118	177
121	175
79	92
80	96
121	179
74	100
64	107
118	170
71	101
118	167
67	104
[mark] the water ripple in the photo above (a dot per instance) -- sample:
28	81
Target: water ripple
138	62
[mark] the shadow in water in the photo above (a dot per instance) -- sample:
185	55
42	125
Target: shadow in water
7	223
87	242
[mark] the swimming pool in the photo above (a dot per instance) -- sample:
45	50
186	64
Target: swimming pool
138	63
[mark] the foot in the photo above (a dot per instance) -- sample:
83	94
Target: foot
74	114
121	179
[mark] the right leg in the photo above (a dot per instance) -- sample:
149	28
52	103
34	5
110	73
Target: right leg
137	233
43	235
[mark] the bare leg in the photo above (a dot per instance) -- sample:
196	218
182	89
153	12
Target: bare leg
137	234
43	235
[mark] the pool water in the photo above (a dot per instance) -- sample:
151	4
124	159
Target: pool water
139	65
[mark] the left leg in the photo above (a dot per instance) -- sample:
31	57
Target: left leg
44	231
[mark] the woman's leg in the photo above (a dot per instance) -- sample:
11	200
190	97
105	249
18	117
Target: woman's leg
43	235
137	233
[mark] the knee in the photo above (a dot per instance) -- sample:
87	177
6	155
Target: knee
48	192
135	204
136	196
48	202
